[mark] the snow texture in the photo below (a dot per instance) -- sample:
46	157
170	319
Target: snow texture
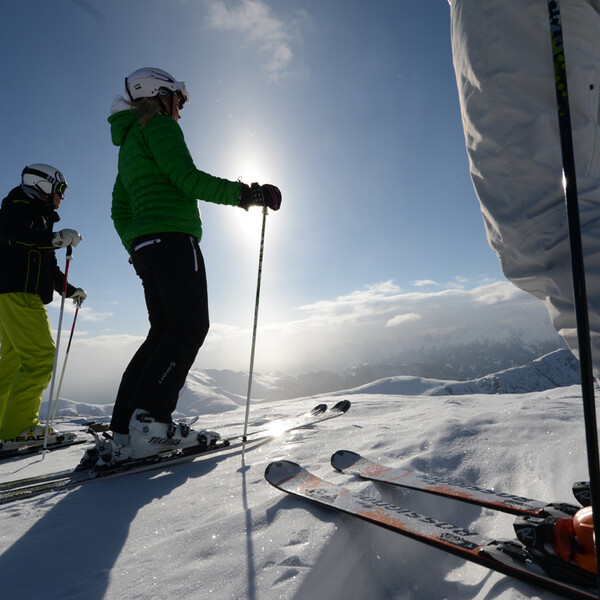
214	528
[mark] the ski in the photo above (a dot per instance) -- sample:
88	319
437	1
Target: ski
507	557
280	424
29	450
38	447
27	487
352	463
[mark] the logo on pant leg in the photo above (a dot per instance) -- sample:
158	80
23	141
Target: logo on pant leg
166	373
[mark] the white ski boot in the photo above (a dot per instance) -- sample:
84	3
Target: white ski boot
149	436
34	436
113	453
107	450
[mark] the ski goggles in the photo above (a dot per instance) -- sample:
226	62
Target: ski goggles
60	188
181	97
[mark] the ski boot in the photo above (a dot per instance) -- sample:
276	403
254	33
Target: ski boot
107	450
150	437
115	450
563	547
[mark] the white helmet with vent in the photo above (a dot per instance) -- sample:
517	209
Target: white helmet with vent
148	82
44	179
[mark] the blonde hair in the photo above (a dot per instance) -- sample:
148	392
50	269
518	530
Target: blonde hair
146	108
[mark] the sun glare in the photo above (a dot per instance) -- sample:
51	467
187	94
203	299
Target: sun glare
246	225
250	169
277	430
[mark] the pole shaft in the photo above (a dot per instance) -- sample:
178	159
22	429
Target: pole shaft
62	374
577	264
258	281
51	411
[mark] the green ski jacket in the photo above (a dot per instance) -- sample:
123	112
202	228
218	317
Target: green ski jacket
158	185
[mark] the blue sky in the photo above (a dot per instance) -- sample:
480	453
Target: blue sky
349	107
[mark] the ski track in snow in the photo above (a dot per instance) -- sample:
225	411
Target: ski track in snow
214	528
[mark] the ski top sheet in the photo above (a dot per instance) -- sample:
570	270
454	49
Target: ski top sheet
37	446
30	486
35	449
507	557
352	463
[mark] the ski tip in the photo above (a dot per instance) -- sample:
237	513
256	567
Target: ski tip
318	409
342	459
280	470
342	406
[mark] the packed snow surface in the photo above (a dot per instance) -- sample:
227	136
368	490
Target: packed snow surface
216	529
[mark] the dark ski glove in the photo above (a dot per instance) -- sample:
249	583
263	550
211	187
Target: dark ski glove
260	195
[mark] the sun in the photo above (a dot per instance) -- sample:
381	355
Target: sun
246	225
251	168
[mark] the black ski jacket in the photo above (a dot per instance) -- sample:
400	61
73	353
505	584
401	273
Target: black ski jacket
27	259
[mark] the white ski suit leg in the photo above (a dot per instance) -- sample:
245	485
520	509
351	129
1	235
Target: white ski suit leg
504	70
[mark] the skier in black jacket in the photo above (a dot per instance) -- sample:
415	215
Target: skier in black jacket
29	275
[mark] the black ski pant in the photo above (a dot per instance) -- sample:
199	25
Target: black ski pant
172	271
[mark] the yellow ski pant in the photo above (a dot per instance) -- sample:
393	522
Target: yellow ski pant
26	361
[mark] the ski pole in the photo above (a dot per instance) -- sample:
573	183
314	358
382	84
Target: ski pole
51	411
251	370
577	265
62	375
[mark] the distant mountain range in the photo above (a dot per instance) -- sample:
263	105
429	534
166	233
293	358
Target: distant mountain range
556	369
211	391
491	369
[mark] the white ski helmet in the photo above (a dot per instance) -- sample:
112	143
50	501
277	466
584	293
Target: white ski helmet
148	82
44	179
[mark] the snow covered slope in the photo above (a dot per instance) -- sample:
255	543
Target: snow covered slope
215	528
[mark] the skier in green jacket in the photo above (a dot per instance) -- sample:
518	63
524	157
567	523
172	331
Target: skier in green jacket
155	213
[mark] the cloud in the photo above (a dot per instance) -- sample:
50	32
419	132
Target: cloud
255	20
399	319
90	10
374	324
86	313
95	366
379	322
374	300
